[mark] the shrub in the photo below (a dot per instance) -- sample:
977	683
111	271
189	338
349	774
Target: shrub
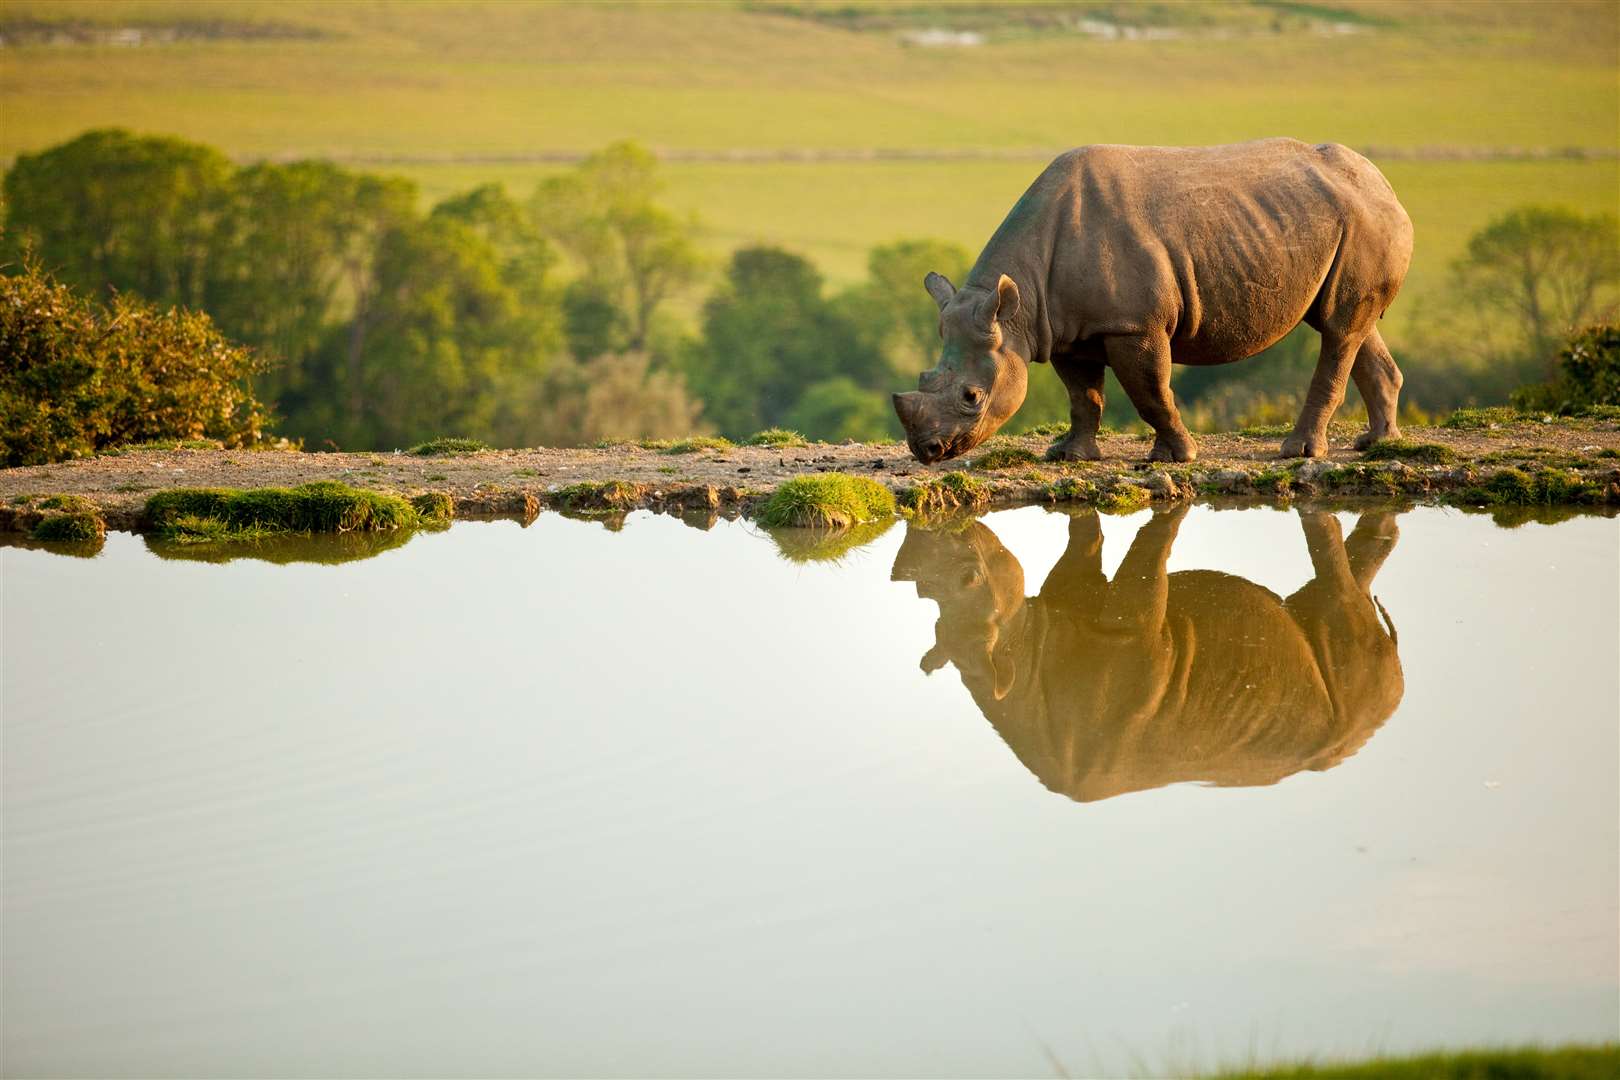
76	377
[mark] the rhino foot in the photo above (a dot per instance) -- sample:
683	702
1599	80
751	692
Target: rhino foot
1368	437
1173	450
1304	446
1074	450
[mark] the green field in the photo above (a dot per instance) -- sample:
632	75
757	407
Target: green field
436	90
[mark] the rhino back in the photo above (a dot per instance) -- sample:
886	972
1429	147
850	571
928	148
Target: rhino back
1226	248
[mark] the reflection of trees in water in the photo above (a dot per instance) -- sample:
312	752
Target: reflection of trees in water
1105	687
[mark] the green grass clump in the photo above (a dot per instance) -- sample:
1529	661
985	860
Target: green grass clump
779	437
1265	431
600	496
942	494
1004	457
1123	499
1516	487
78	527
1279	482
1407	450
1070	489
829	500
324	506
72	504
448	445
1529	1063
434	507
161	445
1051	429
697	442
1480	419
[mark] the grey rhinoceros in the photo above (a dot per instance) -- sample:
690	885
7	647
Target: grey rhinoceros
1137	257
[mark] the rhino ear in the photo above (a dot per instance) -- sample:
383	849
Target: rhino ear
1006	299
940	288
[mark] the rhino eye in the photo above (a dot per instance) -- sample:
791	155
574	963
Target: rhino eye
972	395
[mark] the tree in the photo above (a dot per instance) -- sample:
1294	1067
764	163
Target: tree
109	208
634	254
1548	268
837	409
768	334
612	397
898	308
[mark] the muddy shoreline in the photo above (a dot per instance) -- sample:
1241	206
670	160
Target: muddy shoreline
1582	456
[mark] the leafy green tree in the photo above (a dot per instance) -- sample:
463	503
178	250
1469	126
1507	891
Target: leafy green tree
1553	268
137	213
634	254
768	334
837	409
76	377
898	308
611	397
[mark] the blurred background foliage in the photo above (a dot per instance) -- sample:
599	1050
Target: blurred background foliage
564	223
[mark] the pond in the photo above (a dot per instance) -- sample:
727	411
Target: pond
1031	794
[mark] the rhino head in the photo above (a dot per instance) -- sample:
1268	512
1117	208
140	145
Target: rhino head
979	381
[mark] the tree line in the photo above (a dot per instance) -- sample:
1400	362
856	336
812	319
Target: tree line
574	315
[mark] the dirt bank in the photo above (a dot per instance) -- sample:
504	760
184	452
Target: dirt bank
1582	456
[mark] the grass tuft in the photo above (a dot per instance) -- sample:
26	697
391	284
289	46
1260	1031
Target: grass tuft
321	507
695	443
779	437
1407	450
153	446
1004	457
448	445
434	507
77	527
598	497
1480	419
828	501
72	504
942	494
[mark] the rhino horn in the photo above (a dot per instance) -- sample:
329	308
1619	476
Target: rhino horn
940	288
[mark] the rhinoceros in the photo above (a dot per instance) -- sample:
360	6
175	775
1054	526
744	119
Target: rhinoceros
1138	257
1106	687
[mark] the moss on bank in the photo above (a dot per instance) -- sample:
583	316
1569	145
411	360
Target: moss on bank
205	515
778	437
1004	457
82	527
827	501
1529	1063
448	445
1406	450
945	493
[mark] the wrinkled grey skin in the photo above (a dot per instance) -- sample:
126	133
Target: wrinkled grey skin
1105	687
1137	257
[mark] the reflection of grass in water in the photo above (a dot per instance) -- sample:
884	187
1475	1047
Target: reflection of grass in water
1530	1063
283	549
76	549
803	545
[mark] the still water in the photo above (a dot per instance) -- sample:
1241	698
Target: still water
1111	796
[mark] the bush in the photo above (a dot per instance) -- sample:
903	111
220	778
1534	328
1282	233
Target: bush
1589	374
76	378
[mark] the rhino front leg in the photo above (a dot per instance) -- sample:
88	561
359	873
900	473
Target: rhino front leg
1379	381
1083	378
1142	365
1322	400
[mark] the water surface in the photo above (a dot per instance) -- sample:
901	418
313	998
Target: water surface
1181	789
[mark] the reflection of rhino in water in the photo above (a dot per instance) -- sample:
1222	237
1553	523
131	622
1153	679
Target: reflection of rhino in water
1102	687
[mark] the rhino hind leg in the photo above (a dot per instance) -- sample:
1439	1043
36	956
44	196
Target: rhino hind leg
1322	400
1142	365
1379	381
